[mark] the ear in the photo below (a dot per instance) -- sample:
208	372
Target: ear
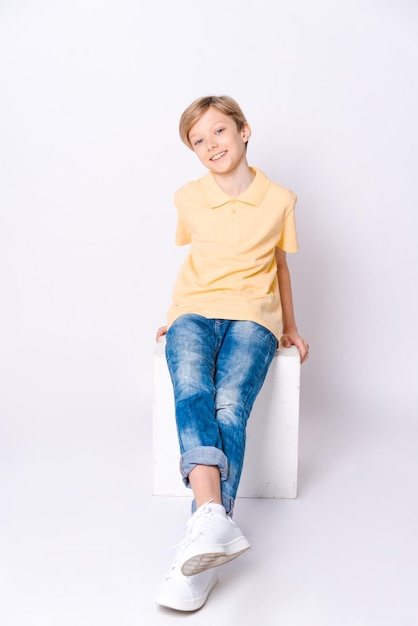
246	132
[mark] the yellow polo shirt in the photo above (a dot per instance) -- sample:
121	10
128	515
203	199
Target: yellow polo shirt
230	271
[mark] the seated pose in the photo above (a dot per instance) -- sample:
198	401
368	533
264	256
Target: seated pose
232	304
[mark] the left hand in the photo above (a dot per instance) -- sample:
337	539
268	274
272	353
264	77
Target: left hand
293	339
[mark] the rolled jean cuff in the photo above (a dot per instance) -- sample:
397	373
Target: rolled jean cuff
203	455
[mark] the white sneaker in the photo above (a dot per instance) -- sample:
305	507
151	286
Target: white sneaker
212	539
186	593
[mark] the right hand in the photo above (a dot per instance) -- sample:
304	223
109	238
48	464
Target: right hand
161	332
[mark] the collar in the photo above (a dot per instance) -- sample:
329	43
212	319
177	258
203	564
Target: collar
253	195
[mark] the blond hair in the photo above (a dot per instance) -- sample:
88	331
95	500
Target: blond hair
196	109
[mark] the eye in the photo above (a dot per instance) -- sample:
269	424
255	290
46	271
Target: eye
219	131
197	142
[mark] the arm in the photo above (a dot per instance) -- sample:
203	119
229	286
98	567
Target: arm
290	332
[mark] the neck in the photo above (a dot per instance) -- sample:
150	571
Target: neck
236	182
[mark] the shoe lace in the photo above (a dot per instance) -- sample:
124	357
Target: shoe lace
196	526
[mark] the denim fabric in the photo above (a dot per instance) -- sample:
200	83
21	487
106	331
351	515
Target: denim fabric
217	368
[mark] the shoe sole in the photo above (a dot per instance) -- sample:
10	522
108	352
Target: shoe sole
187	605
213	556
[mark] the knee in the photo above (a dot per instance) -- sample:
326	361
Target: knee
230	408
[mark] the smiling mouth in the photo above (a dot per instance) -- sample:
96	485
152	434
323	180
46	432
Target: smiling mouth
218	156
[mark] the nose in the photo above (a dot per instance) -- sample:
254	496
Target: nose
212	144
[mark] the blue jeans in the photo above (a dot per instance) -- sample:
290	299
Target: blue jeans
217	368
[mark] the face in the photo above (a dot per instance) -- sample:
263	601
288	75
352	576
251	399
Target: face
217	141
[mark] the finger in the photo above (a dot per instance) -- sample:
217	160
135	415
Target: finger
305	352
160	332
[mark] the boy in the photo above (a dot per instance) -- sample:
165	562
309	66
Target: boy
232	303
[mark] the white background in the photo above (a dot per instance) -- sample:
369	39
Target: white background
90	97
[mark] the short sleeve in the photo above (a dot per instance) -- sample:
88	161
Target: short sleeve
288	237
182	233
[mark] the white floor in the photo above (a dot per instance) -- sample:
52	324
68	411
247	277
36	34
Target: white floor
83	542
